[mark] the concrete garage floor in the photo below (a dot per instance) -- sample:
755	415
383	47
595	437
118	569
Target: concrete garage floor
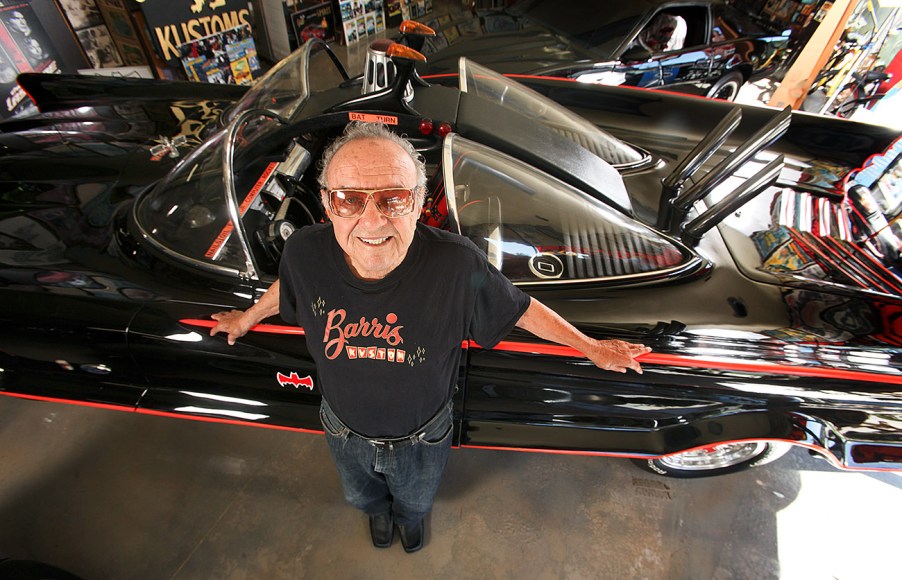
108	494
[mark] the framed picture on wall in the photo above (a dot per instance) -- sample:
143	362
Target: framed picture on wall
314	22
98	44
132	54
362	18
81	13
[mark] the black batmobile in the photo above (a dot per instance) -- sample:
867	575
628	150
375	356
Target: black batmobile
727	238
700	47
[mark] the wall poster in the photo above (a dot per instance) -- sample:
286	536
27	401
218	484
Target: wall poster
314	22
361	18
414	9
228	57
24	47
393	15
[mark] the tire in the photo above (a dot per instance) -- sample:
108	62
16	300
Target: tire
726	87
716	460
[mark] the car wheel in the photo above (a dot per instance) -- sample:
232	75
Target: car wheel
726	87
715	460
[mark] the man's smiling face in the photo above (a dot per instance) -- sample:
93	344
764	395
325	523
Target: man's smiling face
373	244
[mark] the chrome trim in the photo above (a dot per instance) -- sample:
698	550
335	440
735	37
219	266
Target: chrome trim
447	170
228	152
718	457
216	269
647	159
536	270
690	266
208	266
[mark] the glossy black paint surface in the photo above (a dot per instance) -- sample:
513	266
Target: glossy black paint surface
93	313
580	41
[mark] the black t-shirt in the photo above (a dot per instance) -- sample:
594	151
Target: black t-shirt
388	351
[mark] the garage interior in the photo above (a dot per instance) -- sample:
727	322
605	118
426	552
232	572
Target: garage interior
104	494
107	494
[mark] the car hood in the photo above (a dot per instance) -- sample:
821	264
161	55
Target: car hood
532	49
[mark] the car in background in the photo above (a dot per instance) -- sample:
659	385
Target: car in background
700	47
718	234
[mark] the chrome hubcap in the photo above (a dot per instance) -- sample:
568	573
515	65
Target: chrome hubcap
728	92
717	457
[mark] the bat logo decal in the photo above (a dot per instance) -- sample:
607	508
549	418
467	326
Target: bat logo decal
293	380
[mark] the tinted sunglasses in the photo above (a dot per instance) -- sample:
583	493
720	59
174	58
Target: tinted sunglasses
392	203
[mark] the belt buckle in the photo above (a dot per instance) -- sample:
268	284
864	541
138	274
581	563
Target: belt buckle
382	444
390	444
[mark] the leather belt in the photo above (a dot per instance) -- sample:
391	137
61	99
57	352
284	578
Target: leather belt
396	442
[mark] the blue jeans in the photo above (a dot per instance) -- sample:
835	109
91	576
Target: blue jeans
402	480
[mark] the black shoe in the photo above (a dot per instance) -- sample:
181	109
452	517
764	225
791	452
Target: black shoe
381	530
412	536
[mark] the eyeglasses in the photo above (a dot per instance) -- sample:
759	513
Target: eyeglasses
392	203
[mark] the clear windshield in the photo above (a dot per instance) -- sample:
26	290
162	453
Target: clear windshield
189	214
487	84
284	89
537	229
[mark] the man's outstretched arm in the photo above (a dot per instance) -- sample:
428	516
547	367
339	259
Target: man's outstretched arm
612	355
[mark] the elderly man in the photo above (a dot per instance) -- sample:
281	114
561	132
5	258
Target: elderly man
374	278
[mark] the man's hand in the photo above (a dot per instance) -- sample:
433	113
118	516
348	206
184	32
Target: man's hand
616	355
610	355
234	323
